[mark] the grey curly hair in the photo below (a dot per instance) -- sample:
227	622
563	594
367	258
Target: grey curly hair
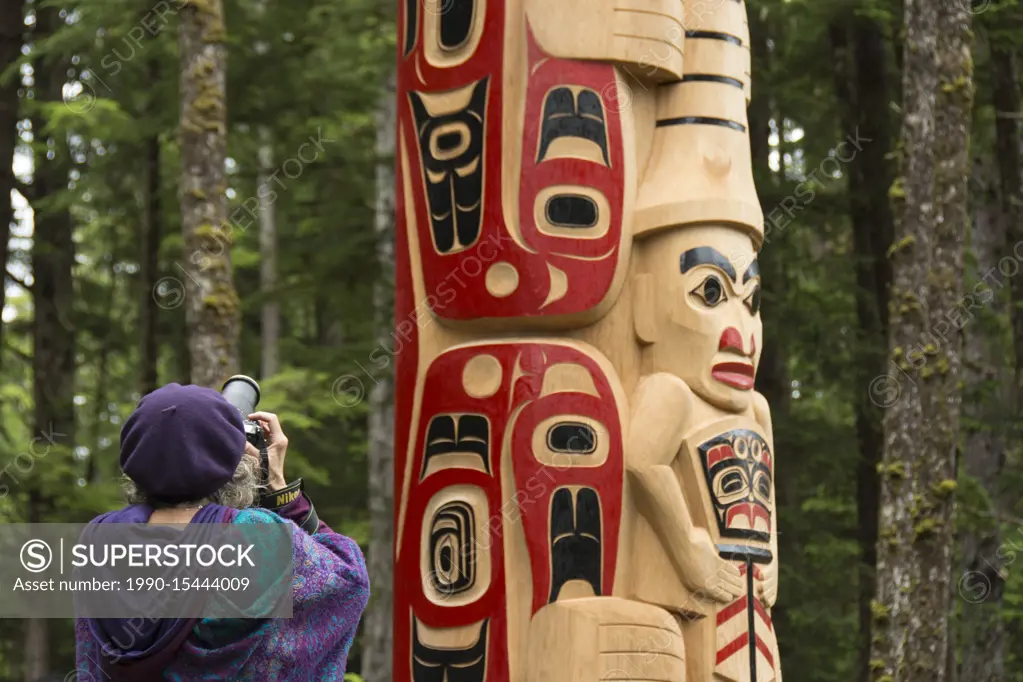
238	493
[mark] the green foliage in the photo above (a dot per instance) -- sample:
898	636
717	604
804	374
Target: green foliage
304	72
311	72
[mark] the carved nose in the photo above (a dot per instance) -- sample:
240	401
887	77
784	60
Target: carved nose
731	340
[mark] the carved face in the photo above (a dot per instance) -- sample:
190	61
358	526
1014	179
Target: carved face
704	308
738	466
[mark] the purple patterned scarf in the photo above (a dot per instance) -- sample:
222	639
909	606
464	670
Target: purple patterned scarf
330	590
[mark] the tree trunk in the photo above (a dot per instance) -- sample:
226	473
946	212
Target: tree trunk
99	404
11	28
53	334
377	642
211	303
271	314
980	582
1007	103
996	233
861	75
152	234
921	426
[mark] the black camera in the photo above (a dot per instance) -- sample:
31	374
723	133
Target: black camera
243	392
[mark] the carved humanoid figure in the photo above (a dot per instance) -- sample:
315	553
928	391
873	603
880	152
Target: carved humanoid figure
702	483
584	474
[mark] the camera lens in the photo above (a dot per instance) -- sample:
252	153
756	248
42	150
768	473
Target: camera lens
242	392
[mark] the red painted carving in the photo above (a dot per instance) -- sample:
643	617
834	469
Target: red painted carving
560	271
536	482
517	404
455	281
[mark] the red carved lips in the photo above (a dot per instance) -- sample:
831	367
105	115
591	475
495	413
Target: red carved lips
752	512
735	374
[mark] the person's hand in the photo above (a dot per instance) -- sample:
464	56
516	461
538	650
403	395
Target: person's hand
277	447
711	576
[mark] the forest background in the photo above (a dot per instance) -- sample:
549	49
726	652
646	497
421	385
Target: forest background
104	103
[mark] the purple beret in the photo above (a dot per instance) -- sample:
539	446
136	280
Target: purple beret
182	443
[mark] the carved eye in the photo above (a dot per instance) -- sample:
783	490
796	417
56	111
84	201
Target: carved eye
753	301
762	484
731	482
710	291
572	438
731	485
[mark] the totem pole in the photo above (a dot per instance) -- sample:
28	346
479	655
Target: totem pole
584	475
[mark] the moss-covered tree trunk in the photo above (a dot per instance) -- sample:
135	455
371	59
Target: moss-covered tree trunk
921	427
211	303
11	28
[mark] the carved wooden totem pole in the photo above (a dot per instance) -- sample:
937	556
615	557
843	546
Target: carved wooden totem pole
584	475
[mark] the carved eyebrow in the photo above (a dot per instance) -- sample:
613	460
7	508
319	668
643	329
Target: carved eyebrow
706	255
753	271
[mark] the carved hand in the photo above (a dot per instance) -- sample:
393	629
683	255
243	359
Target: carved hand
710	575
632	33
767	585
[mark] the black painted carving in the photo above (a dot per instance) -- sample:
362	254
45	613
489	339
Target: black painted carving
449	665
739	483
453	548
701	120
710	78
457	434
715	35
455	22
565	115
571	210
572	438
575	539
752	271
756	555
448	142
454	176
705	255
411	24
